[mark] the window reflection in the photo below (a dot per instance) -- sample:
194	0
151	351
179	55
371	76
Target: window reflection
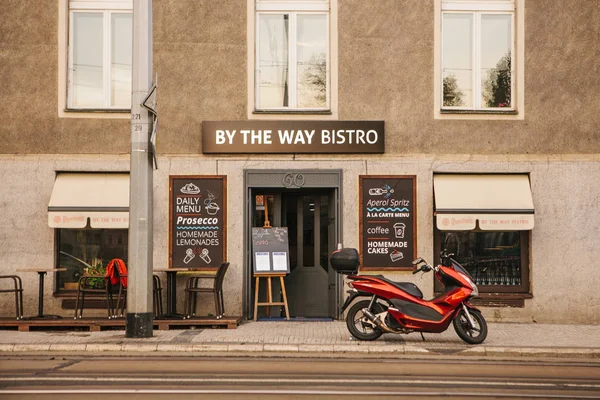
88	74
121	60
79	248
312	61
100	59
477	59
458	60
492	258
273	70
292	61
496	36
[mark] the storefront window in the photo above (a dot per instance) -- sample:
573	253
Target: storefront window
497	261
80	248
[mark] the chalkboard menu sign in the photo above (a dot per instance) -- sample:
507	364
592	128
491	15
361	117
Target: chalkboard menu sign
388	230
270	249
197	221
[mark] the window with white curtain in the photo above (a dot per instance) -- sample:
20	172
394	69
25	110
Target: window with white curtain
292	65
478	55
100	54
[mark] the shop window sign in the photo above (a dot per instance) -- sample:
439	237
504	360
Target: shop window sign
388	234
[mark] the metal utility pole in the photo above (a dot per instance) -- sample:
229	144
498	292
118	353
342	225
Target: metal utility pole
139	292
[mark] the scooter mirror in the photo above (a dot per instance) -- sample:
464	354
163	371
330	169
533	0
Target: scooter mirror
418	261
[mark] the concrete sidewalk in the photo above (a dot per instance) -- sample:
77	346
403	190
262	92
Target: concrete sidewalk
326	339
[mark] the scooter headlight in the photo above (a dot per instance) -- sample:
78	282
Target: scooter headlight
473	285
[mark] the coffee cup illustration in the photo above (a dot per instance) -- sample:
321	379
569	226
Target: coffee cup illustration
399	230
212	208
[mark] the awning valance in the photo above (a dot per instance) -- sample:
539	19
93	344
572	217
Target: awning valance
499	202
101	197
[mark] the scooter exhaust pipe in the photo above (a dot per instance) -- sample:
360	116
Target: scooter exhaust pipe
377	321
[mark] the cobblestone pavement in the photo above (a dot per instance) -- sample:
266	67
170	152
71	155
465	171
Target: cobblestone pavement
507	339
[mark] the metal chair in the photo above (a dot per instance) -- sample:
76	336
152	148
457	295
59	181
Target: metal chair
157	293
192	289
18	291
85	287
117	309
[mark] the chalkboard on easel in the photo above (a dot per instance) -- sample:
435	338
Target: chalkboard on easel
270	250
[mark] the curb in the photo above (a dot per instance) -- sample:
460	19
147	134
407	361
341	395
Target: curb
293	350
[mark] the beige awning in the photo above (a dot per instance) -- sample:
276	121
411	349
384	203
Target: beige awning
103	198
493	202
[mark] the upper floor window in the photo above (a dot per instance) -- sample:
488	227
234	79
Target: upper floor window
100	54
292	55
478	55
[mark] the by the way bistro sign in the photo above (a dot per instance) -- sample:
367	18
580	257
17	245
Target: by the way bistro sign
221	137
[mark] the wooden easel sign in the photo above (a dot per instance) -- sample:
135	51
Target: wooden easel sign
270	249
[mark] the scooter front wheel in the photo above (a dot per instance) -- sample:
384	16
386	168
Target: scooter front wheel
359	325
463	328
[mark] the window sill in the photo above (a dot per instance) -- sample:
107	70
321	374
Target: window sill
479	112
94	113
98	110
291	112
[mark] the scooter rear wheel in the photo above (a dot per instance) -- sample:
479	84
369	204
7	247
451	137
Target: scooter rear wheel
358	324
464	330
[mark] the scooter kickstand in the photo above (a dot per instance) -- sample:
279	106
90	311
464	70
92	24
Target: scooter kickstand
422	336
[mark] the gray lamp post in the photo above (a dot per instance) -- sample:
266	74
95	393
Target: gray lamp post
139	296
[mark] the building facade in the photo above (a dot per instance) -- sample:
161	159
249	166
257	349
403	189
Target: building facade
483	114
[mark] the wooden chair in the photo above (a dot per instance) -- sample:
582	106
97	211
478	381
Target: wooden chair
17	289
192	289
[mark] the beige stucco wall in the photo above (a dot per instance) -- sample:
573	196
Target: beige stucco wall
386	61
564	249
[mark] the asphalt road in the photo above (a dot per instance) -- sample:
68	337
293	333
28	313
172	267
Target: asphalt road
75	377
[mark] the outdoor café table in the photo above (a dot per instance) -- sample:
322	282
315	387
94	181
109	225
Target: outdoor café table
172	290
41	273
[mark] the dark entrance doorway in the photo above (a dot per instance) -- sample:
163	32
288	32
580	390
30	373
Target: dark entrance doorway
311	218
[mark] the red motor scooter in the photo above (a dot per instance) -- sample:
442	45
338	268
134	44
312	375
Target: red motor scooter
399	307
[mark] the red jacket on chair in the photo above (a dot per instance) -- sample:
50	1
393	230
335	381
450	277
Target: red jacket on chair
122	271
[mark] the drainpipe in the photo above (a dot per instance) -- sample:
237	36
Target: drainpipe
139	292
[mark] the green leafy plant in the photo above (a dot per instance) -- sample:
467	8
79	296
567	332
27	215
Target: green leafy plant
96	269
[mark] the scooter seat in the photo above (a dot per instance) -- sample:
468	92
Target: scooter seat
408	287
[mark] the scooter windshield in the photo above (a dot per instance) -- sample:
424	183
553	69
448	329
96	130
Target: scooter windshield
459	268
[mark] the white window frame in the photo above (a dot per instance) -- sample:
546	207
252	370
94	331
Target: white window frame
477	8
66	10
293	8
